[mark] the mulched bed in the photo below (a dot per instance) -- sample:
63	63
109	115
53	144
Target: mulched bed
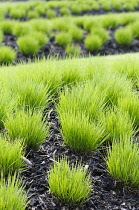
54	50
106	194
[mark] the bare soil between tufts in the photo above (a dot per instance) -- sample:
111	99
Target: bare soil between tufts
107	194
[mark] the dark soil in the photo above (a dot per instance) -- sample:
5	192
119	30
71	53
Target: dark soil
106	194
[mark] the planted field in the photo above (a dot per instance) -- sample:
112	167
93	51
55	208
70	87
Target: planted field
69	122
115	33
84	111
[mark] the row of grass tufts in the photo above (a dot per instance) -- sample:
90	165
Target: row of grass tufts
31	10
90	33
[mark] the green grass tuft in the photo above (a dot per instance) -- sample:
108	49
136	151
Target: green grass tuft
71	185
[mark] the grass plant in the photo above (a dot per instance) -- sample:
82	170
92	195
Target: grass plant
32	14
84	98
122	161
130	105
27	126
7	104
76	33
81	137
63	38
12	195
73	50
123	36
29	94
118	124
65	11
40	37
28	45
21	29
50	13
71	185
17	13
102	33
1	36
10	156
7	55
6	26
93	43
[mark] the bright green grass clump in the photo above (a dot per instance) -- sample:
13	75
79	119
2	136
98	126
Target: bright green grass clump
28	45
7	55
63	38
82	137
122	161
123	36
30	94
21	29
71	185
130	105
117	124
27	126
76	33
1	36
12	195
7	104
40	37
10	156
72	49
93	42
6	26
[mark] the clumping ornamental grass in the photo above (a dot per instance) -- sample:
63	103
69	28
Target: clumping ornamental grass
63	38
7	27
72	185
115	87
30	94
117	124
50	13
84	98
21	29
40	37
12	194
10	156
102	33
7	104
93	42
1	36
83	137
128	67
27	126
72	49
122	161
7	55
76	33
123	36
130	105
28	45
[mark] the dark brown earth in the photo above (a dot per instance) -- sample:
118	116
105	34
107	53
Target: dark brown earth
107	193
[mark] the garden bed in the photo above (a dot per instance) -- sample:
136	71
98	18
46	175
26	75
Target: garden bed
107	193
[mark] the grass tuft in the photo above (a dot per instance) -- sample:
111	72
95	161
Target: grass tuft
71	185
